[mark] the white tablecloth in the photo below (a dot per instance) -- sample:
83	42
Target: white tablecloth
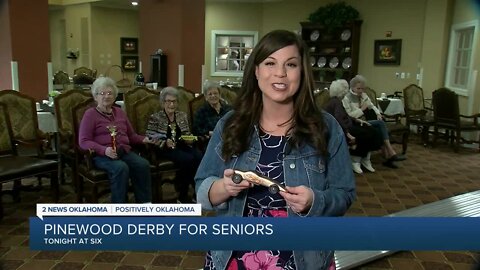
47	122
393	106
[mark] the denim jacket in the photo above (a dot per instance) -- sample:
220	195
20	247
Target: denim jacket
330	178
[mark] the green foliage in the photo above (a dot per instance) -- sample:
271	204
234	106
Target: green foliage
334	15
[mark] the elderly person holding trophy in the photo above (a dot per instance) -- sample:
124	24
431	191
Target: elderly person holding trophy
169	130
106	130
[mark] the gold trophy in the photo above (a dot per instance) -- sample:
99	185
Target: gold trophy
113	135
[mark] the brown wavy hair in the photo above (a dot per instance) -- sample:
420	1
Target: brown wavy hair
307	126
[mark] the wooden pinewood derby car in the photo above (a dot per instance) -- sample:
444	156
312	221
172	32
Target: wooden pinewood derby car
272	185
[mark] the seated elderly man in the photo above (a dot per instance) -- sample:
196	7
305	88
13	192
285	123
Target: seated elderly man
209	113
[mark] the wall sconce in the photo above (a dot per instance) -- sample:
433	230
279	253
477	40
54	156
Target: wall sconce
73	54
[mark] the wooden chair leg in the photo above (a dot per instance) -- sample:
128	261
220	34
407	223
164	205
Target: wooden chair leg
1	204
458	138
55	186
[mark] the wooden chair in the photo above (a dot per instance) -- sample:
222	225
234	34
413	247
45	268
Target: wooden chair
393	122
446	114
141	112
228	95
416	113
14	167
123	82
63	113
321	98
84	70
87	172
194	105
134	95
184	97
61	78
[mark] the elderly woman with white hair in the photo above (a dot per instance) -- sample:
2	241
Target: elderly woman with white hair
362	137
359	106
209	113
106	130
166	128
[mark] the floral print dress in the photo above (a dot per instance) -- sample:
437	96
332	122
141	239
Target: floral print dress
260	203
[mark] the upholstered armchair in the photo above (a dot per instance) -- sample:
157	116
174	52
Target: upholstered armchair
14	167
321	98
228	95
446	114
61	78
63	113
184	97
22	114
134	95
84	70
141	112
87	173
416	112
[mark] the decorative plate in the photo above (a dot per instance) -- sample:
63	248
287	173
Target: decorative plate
333	62
346	34
313	61
322	61
314	35
347	63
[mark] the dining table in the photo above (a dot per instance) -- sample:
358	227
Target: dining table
391	106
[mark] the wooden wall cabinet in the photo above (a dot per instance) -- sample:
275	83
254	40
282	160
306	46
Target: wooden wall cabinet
333	52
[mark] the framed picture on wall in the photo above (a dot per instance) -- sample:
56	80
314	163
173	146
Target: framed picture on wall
128	45
387	52
130	63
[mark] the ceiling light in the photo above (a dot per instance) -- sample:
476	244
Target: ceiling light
134	3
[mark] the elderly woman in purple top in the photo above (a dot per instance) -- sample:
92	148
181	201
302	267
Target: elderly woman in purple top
97	128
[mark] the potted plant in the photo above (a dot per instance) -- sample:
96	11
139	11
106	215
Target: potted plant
334	15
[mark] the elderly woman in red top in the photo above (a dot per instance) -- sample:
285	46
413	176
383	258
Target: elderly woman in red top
106	130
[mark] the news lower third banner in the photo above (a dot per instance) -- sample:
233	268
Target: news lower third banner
130	227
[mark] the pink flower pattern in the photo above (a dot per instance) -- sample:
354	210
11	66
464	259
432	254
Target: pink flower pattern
260	260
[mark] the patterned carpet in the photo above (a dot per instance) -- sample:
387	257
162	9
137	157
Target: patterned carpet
429	174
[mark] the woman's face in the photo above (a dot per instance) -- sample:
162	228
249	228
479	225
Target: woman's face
359	88
213	96
279	75
170	104
105	97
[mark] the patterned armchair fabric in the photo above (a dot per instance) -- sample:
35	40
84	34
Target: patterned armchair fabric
142	110
194	105
64	103
23	115
321	98
416	112
14	167
184	98
228	95
61	78
134	95
84	70
6	136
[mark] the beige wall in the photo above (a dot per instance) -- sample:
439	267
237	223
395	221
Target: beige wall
73	15
108	26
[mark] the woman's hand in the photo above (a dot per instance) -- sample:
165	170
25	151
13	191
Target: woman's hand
170	144
230	187
379	117
147	140
364	107
109	152
362	122
299	199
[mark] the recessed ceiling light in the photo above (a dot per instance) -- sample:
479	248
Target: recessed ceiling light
134	3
